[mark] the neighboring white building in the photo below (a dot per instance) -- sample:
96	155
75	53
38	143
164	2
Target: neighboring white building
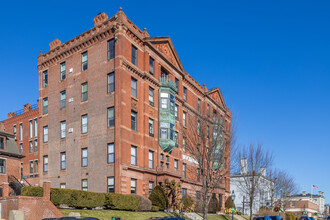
263	195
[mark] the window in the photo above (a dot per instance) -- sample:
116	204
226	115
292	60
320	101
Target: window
63	68
84	92
133	120
163	72
151	127
30	129
62	185
151	187
111	117
45	105
111	49
184	170
21	148
176	138
45	162
45	79
45	134
134	87
199	105
162	156
208	110
177	84
84	157
214	115
164	103
133	186
20	131
172	131
63	129
208	131
111	184
35	128
167	159
35	146
184	119
84	60
14	130
184	192
163	133
134	55
84	124
198	175
2	166
176	164
36	168
167	165
84	184
151	159
31	168
198	128
184	144
63	99
63	160
30	147
151	96
172	105
133	155
111	153
151	66
2	143
184	94
111	82
176	112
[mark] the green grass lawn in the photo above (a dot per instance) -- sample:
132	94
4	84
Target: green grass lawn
107	214
219	217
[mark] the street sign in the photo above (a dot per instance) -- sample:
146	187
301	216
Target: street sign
233	209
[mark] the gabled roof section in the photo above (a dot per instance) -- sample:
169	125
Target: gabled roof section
215	94
166	47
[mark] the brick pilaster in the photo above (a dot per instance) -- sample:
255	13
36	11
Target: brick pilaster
46	186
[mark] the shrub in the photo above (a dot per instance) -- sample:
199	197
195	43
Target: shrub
144	204
122	202
214	206
34	191
229	203
187	203
158	198
154	208
199	207
290	216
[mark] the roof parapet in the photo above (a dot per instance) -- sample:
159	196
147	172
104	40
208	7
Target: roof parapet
100	18
55	43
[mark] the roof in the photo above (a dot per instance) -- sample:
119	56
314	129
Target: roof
11	146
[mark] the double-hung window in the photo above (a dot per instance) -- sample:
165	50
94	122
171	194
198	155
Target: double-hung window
184	122
45	128
151	187
2	166
151	66
45	79
84	124
35	145
84	92
134	120
184	94
45	105
111	82
134	87
151	96
63	99
20	131
14	130
84	184
30	147
184	170
184	144
35	128
84	157
63	70
63	160
111	153
63	129
2	143
45	163
151	127
21	148
151	159
111	49
84	61
134	55
36	168
111	184
176	112
164	100
199	105
30	129
176	164
133	186
133	155
111	117
198	175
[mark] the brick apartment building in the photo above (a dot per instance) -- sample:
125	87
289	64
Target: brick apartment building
113	103
24	125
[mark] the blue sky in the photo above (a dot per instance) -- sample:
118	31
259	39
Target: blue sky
271	60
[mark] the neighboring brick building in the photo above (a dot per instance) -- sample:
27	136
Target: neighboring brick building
99	111
24	125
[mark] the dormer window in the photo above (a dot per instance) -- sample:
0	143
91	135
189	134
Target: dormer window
2	143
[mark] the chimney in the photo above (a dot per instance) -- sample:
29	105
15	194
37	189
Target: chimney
27	108
243	165
100	18
303	193
55	43
11	115
263	171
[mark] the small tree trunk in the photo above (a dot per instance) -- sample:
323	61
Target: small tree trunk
251	206
205	212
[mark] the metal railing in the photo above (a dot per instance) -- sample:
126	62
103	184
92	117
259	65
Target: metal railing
21	111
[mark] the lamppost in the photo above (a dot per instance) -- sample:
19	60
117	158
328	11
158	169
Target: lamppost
233	208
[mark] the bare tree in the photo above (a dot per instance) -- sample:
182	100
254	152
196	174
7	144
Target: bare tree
207	147
255	159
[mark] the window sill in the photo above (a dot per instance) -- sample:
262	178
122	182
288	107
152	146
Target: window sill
136	99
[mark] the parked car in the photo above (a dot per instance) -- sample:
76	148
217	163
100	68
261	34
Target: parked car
304	217
262	218
275	217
